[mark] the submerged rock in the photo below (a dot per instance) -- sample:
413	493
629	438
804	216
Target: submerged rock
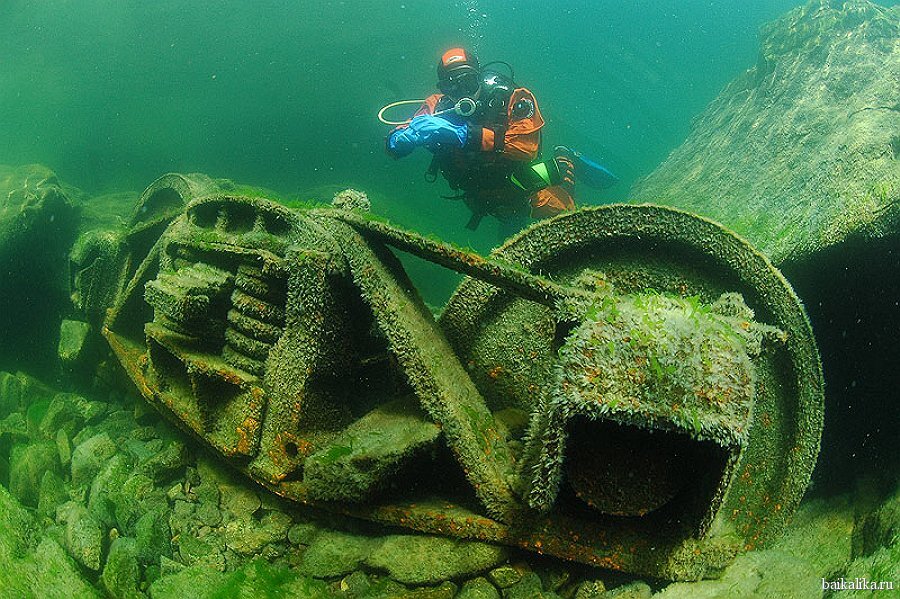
89	457
529	587
633	590
84	536
33	568
121	574
28	463
335	553
74	346
478	588
801	151
38	223
420	559
201	582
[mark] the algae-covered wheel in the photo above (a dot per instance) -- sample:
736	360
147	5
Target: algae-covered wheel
513	350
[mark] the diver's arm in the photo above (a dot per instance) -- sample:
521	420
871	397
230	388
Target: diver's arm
398	144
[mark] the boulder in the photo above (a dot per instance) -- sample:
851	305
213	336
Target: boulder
800	152
153	535
248	537
335	553
89	457
27	465
75	344
53	494
529	587
632	590
201	582
38	223
478	588
121	575
84	536
424	559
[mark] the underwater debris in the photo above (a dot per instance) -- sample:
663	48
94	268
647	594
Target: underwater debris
293	344
652	362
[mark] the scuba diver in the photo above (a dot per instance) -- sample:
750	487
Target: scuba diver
485	134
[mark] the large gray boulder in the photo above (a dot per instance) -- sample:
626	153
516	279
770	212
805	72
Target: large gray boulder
801	151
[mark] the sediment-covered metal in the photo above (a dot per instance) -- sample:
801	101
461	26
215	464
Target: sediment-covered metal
668	373
510	344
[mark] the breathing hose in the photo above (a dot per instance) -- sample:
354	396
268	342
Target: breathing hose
465	107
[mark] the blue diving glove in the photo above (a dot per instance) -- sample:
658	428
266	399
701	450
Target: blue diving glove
429	131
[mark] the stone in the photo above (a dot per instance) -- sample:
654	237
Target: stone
303	533
529	587
121	575
248	537
197	582
182	519
507	575
151	573
799	152
207	492
106	486
250	580
38	220
44	571
129	501
90	410
591	589
371	452
168	566
213	472
209	550
176	493
166	464
632	590
64	447
385	587
53	494
445	590
74	344
62	415
84	537
34	413
422	559
11	393
89	457
355	584
478	588
14	427
241	501
208	514
28	463
554	575
333	553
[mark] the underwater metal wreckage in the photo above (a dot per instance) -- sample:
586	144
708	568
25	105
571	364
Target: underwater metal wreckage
632	387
